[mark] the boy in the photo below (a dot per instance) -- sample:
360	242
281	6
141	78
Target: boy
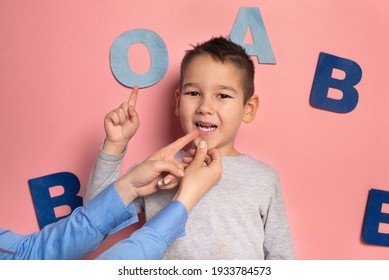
243	216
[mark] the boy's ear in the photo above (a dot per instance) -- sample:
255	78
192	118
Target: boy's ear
250	109
178	98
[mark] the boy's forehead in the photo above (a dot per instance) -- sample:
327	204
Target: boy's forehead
204	59
205	67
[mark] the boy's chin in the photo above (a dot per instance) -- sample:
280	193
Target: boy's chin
210	145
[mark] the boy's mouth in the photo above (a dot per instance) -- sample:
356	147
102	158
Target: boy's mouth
206	127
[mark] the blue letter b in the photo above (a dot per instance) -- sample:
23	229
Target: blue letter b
43	202
374	217
323	81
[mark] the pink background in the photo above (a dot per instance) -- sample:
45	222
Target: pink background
56	87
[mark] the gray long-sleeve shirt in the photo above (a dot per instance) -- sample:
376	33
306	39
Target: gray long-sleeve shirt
241	217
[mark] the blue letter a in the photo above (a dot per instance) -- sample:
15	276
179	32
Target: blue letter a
43	202
323	81
251	18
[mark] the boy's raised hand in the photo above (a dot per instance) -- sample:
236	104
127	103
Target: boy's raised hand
121	125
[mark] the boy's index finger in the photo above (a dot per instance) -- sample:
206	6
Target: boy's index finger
133	96
180	143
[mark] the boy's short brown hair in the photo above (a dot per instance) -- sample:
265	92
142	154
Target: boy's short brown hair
223	50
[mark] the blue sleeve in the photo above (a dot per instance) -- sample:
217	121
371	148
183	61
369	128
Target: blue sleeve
151	241
71	237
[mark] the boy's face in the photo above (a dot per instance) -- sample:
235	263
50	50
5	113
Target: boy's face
211	100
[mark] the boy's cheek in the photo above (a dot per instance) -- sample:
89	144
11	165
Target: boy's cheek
187	125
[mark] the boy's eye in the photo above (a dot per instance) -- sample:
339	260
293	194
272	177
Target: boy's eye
223	96
192	93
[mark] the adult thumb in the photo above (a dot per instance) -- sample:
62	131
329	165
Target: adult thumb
201	153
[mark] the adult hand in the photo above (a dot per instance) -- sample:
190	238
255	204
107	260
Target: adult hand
170	181
203	172
121	125
189	158
143	179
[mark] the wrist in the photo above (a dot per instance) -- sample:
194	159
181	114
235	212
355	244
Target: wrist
188	201
126	191
114	148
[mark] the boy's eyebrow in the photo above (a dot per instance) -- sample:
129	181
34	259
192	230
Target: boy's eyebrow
217	87
227	87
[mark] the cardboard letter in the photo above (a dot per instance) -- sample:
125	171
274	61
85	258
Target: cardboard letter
43	202
251	19
373	218
324	81
119	58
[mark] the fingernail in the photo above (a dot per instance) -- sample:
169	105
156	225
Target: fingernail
181	172
166	181
160	183
202	144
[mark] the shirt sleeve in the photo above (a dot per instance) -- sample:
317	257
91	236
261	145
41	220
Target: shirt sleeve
73	236
151	241
278	239
105	171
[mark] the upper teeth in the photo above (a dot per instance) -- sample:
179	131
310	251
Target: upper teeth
206	127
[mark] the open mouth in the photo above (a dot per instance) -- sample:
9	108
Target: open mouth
206	127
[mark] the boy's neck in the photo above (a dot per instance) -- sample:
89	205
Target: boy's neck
228	151
233	153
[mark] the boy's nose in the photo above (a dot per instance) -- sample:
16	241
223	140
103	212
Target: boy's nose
206	106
